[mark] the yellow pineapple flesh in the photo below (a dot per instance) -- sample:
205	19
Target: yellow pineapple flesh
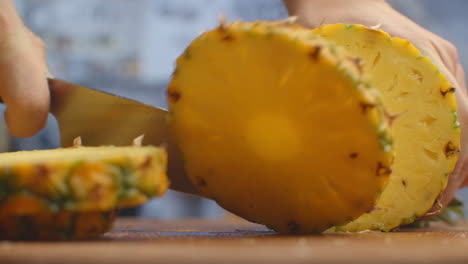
278	126
425	130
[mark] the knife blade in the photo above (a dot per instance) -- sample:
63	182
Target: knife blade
101	118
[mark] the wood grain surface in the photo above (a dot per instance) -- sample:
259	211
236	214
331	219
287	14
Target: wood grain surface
236	241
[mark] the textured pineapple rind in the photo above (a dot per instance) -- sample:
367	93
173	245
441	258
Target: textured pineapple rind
329	54
82	185
450	99
56	226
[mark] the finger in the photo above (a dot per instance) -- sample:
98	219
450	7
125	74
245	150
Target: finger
40	47
25	92
463	111
446	51
461	77
37	43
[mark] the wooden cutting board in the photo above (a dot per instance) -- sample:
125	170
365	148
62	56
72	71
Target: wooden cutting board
236	241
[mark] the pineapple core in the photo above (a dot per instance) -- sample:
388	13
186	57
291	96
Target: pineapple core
273	137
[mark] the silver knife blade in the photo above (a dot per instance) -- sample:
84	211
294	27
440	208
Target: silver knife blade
101	118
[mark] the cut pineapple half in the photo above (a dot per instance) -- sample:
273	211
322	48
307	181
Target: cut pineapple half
426	132
278	126
84	179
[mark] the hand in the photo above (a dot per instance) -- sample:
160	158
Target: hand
23	73
442	53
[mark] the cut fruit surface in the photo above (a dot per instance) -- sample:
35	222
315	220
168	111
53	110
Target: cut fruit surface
426	131
84	179
279	127
270	145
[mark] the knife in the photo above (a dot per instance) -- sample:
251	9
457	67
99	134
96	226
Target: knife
101	118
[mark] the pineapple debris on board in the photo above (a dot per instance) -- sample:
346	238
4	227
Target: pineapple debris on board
277	125
426	131
83	185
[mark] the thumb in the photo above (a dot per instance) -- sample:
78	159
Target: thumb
461	77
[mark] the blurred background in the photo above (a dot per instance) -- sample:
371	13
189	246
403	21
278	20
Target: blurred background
129	48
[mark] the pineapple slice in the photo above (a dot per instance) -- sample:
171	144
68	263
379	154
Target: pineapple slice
56	226
81	179
73	193
277	126
426	131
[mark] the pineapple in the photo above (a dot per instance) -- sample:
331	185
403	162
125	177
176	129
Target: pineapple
79	188
56	226
279	126
426	130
